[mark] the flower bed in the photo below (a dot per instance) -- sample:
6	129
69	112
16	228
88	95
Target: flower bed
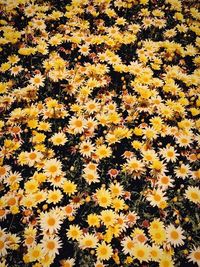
99	106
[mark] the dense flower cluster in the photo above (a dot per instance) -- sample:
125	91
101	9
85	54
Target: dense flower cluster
99	133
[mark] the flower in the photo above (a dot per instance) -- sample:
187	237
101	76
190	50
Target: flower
69	187
193	194
104	251
53	167
103	152
58	139
86	148
50	222
175	235
104	198
88	241
37	80
194	255
51	245
141	252
74	232
128	245
108	217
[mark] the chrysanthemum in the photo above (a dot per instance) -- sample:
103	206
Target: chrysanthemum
169	154
67	263
182	171
104	251
92	106
108	217
194	255
58	139
104	198
135	167
91	177
93	220
4	245
51	245
156	197
166	261
165	181
141	252
193	194
74	232
103	151
35	253
116	189
118	204
86	148
50	222
127	245
54	196
184	140
37	80
77	124
84	49
69	187
155	253
53	167
88	241
175	235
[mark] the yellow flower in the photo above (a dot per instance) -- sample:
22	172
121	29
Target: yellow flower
69	187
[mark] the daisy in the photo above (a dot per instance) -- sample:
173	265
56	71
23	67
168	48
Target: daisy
104	198
132	218
175	235
128	245
74	232
149	155
156	197
88	241
116	189
16	70
4	171
51	245
166	261
108	217
53	167
194	255
33	157
50	222
69	187
58	139
169	154
84	49
182	171
91	177
135	166
155	253
193	194
103	151
93	220
184	140
35	253
54	196
37	80
4	245
69	210
86	148
13	177
70	262
104	251
141	252
165	181
77	124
